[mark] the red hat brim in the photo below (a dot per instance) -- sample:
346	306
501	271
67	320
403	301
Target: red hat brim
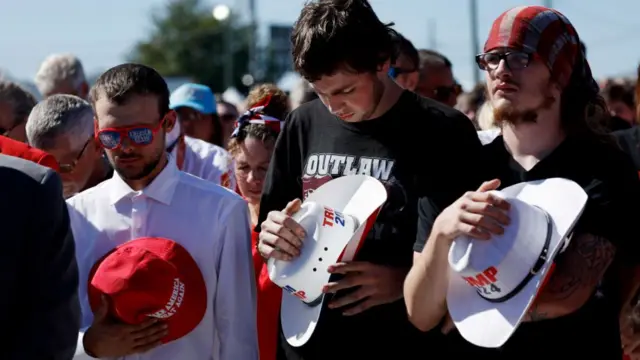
194	304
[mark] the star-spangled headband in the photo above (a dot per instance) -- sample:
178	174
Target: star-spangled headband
255	115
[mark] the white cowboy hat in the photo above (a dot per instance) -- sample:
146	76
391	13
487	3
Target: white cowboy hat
337	217
493	283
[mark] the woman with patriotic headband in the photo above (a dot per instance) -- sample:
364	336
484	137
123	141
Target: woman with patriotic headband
251	146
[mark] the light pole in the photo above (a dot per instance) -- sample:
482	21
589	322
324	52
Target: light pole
473	11
221	13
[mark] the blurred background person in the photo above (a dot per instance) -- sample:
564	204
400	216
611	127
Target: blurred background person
62	74
469	103
197	113
621	103
195	106
405	68
228	114
488	129
436	78
15	105
251	146
63	126
301	93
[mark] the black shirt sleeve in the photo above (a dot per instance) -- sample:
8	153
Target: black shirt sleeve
283	180
52	308
613	210
459	151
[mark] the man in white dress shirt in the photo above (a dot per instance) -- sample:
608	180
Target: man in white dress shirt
149	197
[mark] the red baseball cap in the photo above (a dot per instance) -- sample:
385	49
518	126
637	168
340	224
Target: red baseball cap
150	277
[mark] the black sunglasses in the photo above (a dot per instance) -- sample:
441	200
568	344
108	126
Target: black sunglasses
444	92
515	60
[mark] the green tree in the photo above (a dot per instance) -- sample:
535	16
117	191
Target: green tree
186	40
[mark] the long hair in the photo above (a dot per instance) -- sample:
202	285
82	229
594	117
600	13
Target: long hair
583	110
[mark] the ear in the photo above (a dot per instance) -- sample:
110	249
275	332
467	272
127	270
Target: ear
170	121
412	81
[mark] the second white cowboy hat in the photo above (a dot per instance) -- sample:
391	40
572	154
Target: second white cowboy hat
493	283
337	217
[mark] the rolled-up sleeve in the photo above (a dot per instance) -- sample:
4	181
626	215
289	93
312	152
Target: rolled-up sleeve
235	297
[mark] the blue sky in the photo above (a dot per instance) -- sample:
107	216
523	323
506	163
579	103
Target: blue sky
102	32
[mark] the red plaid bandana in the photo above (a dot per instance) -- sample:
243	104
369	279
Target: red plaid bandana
546	33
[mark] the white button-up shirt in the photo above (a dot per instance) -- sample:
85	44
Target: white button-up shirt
207	161
211	222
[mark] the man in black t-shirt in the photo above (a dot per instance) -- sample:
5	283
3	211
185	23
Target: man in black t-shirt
540	86
363	123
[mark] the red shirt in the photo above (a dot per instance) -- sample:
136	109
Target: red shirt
269	296
19	149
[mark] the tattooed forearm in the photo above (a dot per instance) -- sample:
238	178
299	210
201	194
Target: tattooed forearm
578	272
582	266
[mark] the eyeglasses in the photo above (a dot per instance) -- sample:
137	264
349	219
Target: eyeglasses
68	168
394	72
138	135
444	92
515	60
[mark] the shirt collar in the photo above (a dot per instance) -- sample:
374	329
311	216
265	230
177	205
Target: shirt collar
161	188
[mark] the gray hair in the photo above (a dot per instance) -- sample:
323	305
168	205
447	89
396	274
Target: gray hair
60	115
20	100
59	70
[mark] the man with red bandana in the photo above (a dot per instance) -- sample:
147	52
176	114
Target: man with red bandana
546	101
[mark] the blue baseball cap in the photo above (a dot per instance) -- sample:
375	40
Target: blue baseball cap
195	96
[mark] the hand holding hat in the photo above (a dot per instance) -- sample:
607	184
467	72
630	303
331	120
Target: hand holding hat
280	235
106	338
156	294
372	284
477	214
318	239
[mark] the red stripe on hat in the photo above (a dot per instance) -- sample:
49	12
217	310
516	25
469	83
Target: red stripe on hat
522	26
494	34
370	221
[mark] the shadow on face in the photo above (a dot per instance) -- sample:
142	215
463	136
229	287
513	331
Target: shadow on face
437	83
136	134
252	159
195	124
518	92
77	161
351	96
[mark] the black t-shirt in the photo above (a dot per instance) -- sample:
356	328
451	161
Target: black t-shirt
629	141
611	182
413	149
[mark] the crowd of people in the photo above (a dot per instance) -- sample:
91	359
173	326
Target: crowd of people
144	224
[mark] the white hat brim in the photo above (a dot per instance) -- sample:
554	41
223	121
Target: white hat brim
359	196
490	324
